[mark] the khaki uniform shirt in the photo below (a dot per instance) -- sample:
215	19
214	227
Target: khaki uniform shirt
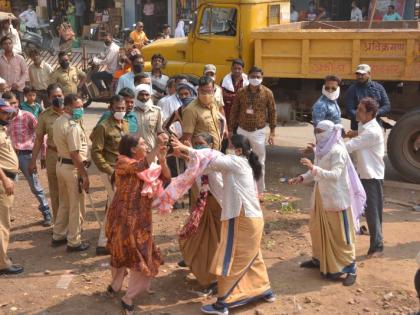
106	137
150	124
45	125
68	79
197	118
8	158
69	136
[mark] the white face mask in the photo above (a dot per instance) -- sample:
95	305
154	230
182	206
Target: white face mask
141	105
255	82
119	115
331	95
230	151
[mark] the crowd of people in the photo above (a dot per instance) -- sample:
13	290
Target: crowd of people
164	136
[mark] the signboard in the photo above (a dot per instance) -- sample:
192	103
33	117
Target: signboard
382	7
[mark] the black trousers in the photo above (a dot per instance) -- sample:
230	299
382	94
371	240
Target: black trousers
373	211
104	76
80	22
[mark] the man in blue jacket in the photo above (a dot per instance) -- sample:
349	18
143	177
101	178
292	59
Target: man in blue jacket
365	87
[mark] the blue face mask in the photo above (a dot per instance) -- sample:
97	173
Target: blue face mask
187	100
199	147
77	113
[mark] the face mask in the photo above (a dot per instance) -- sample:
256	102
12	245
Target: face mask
255	82
139	104
64	64
206	98
137	68
321	137
58	102
199	147
230	152
119	115
185	101
331	95
77	113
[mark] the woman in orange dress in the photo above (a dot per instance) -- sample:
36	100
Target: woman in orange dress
129	221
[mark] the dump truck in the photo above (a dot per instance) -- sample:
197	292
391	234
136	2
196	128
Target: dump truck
296	57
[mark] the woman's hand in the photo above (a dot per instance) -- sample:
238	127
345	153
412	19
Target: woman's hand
180	150
306	162
296	180
161	154
310	148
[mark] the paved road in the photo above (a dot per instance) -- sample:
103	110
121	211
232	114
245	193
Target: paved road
288	140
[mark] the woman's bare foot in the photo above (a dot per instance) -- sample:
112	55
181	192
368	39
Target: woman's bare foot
128	308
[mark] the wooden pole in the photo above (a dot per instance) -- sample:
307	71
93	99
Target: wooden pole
372	14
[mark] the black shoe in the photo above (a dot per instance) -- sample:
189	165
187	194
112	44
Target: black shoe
211	290
47	220
101	251
82	247
182	264
12	270
57	243
350	279
128	309
309	264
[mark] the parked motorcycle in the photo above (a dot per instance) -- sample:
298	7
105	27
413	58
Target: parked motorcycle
42	41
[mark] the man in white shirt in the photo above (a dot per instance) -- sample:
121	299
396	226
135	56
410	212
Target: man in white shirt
30	19
356	14
103	79
294	15
39	75
7	29
368	145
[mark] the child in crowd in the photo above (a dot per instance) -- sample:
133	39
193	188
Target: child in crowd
31	105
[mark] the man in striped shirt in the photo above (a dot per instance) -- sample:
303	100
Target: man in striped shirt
22	133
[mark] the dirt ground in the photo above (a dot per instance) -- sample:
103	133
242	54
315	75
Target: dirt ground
56	282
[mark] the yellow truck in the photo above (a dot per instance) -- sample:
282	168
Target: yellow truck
296	57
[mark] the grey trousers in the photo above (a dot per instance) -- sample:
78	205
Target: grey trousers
373	211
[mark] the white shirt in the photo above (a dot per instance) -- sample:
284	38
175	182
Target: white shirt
39	76
169	104
239	188
369	146
330	173
356	15
294	16
215	185
111	58
30	18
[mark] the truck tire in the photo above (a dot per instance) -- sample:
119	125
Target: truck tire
401	146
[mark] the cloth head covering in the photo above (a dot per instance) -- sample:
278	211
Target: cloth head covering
357	192
142	88
179	31
187	86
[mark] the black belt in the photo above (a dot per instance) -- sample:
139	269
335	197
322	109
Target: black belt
70	162
23	151
10	174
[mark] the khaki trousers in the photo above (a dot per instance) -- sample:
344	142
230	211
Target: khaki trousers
6	203
69	217
51	163
106	179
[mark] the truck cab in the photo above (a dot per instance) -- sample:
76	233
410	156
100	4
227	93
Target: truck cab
220	33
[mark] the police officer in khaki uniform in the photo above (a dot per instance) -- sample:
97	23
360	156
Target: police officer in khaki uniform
45	127
72	148
9	166
149	117
106	139
67	76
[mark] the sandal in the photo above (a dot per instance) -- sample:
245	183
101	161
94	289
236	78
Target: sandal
128	309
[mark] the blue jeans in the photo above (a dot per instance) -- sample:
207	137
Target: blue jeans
34	183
